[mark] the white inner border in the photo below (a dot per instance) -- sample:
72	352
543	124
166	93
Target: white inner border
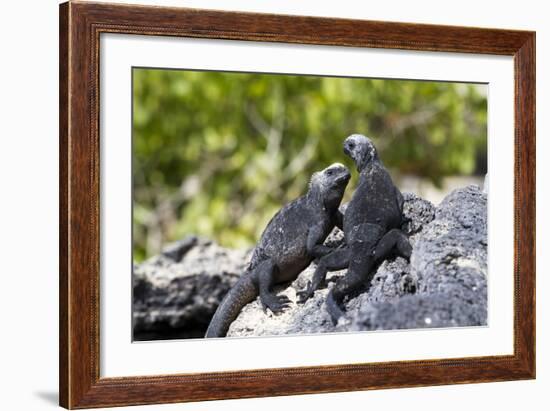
121	357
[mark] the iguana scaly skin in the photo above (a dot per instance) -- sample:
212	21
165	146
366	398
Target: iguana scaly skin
291	241
371	224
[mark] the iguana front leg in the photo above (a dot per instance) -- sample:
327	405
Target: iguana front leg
316	249
315	239
266	271
339	220
336	260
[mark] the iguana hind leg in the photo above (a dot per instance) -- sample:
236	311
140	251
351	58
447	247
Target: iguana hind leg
266	271
361	264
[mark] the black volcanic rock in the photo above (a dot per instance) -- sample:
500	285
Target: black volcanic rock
445	283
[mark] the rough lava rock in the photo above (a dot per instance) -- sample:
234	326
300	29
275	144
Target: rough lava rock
445	284
449	267
177	292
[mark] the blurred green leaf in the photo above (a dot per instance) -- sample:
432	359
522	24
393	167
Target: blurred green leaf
217	154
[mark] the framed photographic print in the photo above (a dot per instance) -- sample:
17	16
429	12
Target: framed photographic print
249	200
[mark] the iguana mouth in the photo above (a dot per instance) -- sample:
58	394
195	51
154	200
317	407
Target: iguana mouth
342	179
350	153
347	152
345	177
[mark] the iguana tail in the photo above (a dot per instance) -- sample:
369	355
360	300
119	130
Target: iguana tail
242	293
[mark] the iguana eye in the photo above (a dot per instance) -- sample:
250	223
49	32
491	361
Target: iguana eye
329	172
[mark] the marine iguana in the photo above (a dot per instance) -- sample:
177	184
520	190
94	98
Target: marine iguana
291	241
372	228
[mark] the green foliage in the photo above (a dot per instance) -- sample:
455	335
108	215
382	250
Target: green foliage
217	154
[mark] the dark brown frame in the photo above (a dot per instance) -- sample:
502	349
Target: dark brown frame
80	27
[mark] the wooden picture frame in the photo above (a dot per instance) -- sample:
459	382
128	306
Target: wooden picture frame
80	27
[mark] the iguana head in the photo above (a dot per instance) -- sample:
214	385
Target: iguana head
330	184
361	150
